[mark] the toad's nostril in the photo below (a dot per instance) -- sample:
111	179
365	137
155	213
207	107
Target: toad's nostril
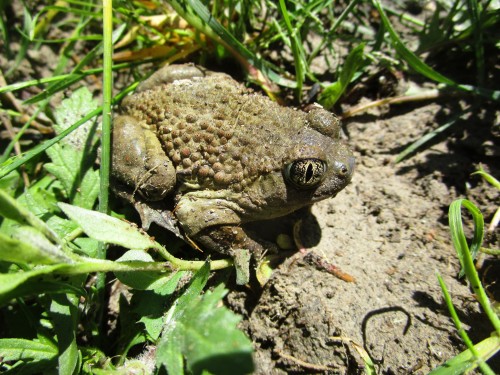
345	169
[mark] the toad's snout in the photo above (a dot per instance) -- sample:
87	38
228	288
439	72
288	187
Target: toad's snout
344	169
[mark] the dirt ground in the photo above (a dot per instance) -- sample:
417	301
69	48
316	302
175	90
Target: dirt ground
388	229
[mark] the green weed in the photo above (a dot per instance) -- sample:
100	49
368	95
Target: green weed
476	355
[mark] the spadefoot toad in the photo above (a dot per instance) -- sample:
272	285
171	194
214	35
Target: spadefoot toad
218	155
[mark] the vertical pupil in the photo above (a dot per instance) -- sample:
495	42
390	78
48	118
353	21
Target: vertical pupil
309	172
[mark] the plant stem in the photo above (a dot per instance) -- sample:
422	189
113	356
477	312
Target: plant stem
191	265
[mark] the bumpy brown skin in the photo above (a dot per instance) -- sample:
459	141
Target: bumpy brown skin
222	151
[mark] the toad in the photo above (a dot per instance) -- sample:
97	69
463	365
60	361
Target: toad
196	150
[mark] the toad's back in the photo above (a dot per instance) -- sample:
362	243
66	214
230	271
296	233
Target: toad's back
218	133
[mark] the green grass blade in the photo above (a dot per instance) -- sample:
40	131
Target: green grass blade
343	16
17	161
194	12
105	143
76	76
353	63
464	361
466	256
297	50
413	60
478	44
426	138
491	180
27	26
77	73
457	231
469	359
419	66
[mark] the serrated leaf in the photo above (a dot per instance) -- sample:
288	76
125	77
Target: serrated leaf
151	304
107	229
203	334
89	189
70	111
37	199
71	156
21	349
67	167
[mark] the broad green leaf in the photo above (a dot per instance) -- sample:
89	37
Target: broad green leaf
21	349
353	63
10	182
137	280
40	197
72	157
64	314
203	334
89	189
11	209
169	352
11	281
151	304
62	226
107	229
17	251
87	246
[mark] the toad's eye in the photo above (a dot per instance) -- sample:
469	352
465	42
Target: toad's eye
305	173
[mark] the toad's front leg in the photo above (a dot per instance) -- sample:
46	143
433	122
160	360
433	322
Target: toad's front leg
139	161
215	223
